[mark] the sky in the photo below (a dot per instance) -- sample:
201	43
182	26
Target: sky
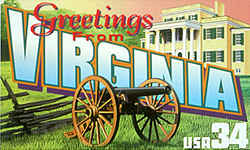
239	9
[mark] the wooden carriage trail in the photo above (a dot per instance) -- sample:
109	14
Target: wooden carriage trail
22	119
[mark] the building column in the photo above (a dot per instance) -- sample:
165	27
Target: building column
173	41
191	43
147	40
199	46
184	38
157	40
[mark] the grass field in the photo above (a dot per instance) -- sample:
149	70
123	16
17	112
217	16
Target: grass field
126	138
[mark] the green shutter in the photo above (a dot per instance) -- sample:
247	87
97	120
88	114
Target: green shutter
204	57
223	56
153	42
196	17
242	38
213	33
234	39
222	32
189	17
213	54
160	38
242	56
204	34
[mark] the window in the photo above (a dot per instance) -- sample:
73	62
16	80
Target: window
178	34
237	70
180	18
213	33
210	33
193	17
168	19
219	56
238	56
220	32
209	56
238	39
143	44
152	39
168	36
160	38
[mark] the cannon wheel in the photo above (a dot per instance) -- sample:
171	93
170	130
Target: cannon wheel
160	115
95	113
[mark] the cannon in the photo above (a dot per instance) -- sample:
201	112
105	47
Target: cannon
97	106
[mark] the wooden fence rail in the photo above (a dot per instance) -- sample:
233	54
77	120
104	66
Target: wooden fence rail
23	120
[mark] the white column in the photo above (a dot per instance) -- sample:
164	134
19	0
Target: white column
191	43
173	41
157	40
199	46
184	38
147	40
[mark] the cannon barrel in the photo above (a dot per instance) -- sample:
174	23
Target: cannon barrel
143	91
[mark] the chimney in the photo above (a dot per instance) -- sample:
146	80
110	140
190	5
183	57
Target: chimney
219	8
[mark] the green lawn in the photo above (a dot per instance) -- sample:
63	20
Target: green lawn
126	138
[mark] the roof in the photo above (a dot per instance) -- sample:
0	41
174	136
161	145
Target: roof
186	7
224	18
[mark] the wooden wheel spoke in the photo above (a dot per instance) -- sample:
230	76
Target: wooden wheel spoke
158	102
84	131
150	130
91	91
97	132
81	111
162	128
85	94
141	119
144	125
83	121
150	99
166	103
105	120
81	101
105	104
96	91
102	94
142	103
102	127
91	133
168	122
155	100
106	112
147	100
156	131
150	85
166	112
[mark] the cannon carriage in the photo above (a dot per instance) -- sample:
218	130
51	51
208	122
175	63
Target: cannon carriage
97	106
